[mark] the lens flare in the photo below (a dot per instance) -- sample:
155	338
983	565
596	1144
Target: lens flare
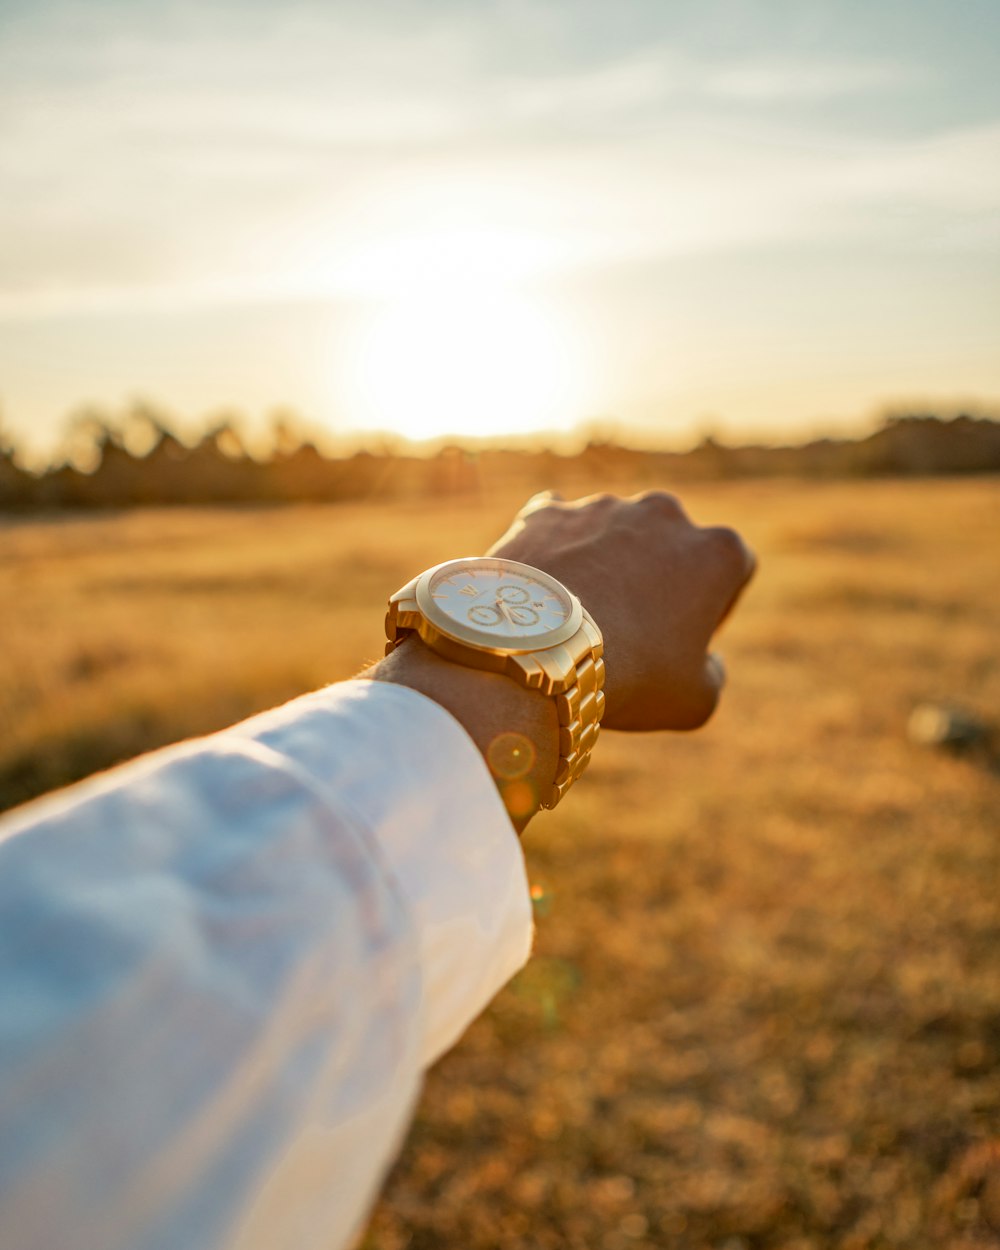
511	756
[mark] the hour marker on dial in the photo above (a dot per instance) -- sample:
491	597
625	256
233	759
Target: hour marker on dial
512	594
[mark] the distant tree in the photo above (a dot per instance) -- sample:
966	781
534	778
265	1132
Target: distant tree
287	431
143	427
138	457
16	483
87	433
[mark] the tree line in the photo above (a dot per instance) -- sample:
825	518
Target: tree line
139	459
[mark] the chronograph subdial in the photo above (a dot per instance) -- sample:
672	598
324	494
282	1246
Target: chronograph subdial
512	594
485	616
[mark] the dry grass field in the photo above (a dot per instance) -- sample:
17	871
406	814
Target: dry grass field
764	1011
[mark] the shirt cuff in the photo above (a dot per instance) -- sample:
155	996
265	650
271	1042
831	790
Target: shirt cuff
417	783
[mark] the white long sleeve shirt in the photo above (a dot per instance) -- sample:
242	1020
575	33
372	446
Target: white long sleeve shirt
224	968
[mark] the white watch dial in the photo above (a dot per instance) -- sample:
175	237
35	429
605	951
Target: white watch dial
492	597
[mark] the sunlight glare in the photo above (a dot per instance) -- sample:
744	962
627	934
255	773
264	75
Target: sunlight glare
456	256
472	359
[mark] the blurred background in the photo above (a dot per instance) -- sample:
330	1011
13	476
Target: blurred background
291	295
497	218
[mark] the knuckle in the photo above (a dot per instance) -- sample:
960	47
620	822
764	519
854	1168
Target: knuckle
661	501
543	501
730	547
602	500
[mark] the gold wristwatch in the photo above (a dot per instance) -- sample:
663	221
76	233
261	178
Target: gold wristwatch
507	617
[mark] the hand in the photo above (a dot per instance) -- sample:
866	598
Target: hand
505	612
656	584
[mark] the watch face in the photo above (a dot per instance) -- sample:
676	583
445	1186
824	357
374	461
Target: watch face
498	604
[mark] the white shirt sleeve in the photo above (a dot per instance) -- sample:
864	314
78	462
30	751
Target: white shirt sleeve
224	967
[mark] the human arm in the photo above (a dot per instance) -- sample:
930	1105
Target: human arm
226	966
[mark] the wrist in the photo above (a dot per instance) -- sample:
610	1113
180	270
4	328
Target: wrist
515	729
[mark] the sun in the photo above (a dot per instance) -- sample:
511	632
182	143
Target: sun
463	362
461	354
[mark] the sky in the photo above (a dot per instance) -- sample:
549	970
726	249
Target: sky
455	216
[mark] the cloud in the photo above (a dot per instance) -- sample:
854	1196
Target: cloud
770	82
140	163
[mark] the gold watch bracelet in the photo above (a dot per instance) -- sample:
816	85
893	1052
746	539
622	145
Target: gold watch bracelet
572	673
579	707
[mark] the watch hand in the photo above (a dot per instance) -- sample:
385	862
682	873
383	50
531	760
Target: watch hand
505	611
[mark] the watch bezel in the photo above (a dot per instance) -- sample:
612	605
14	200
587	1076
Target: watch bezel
483	640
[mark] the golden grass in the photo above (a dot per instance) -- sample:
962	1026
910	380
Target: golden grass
764	1009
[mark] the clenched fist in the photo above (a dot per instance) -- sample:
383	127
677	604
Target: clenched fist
658	586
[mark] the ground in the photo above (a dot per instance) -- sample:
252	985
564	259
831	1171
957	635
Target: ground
764	1007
